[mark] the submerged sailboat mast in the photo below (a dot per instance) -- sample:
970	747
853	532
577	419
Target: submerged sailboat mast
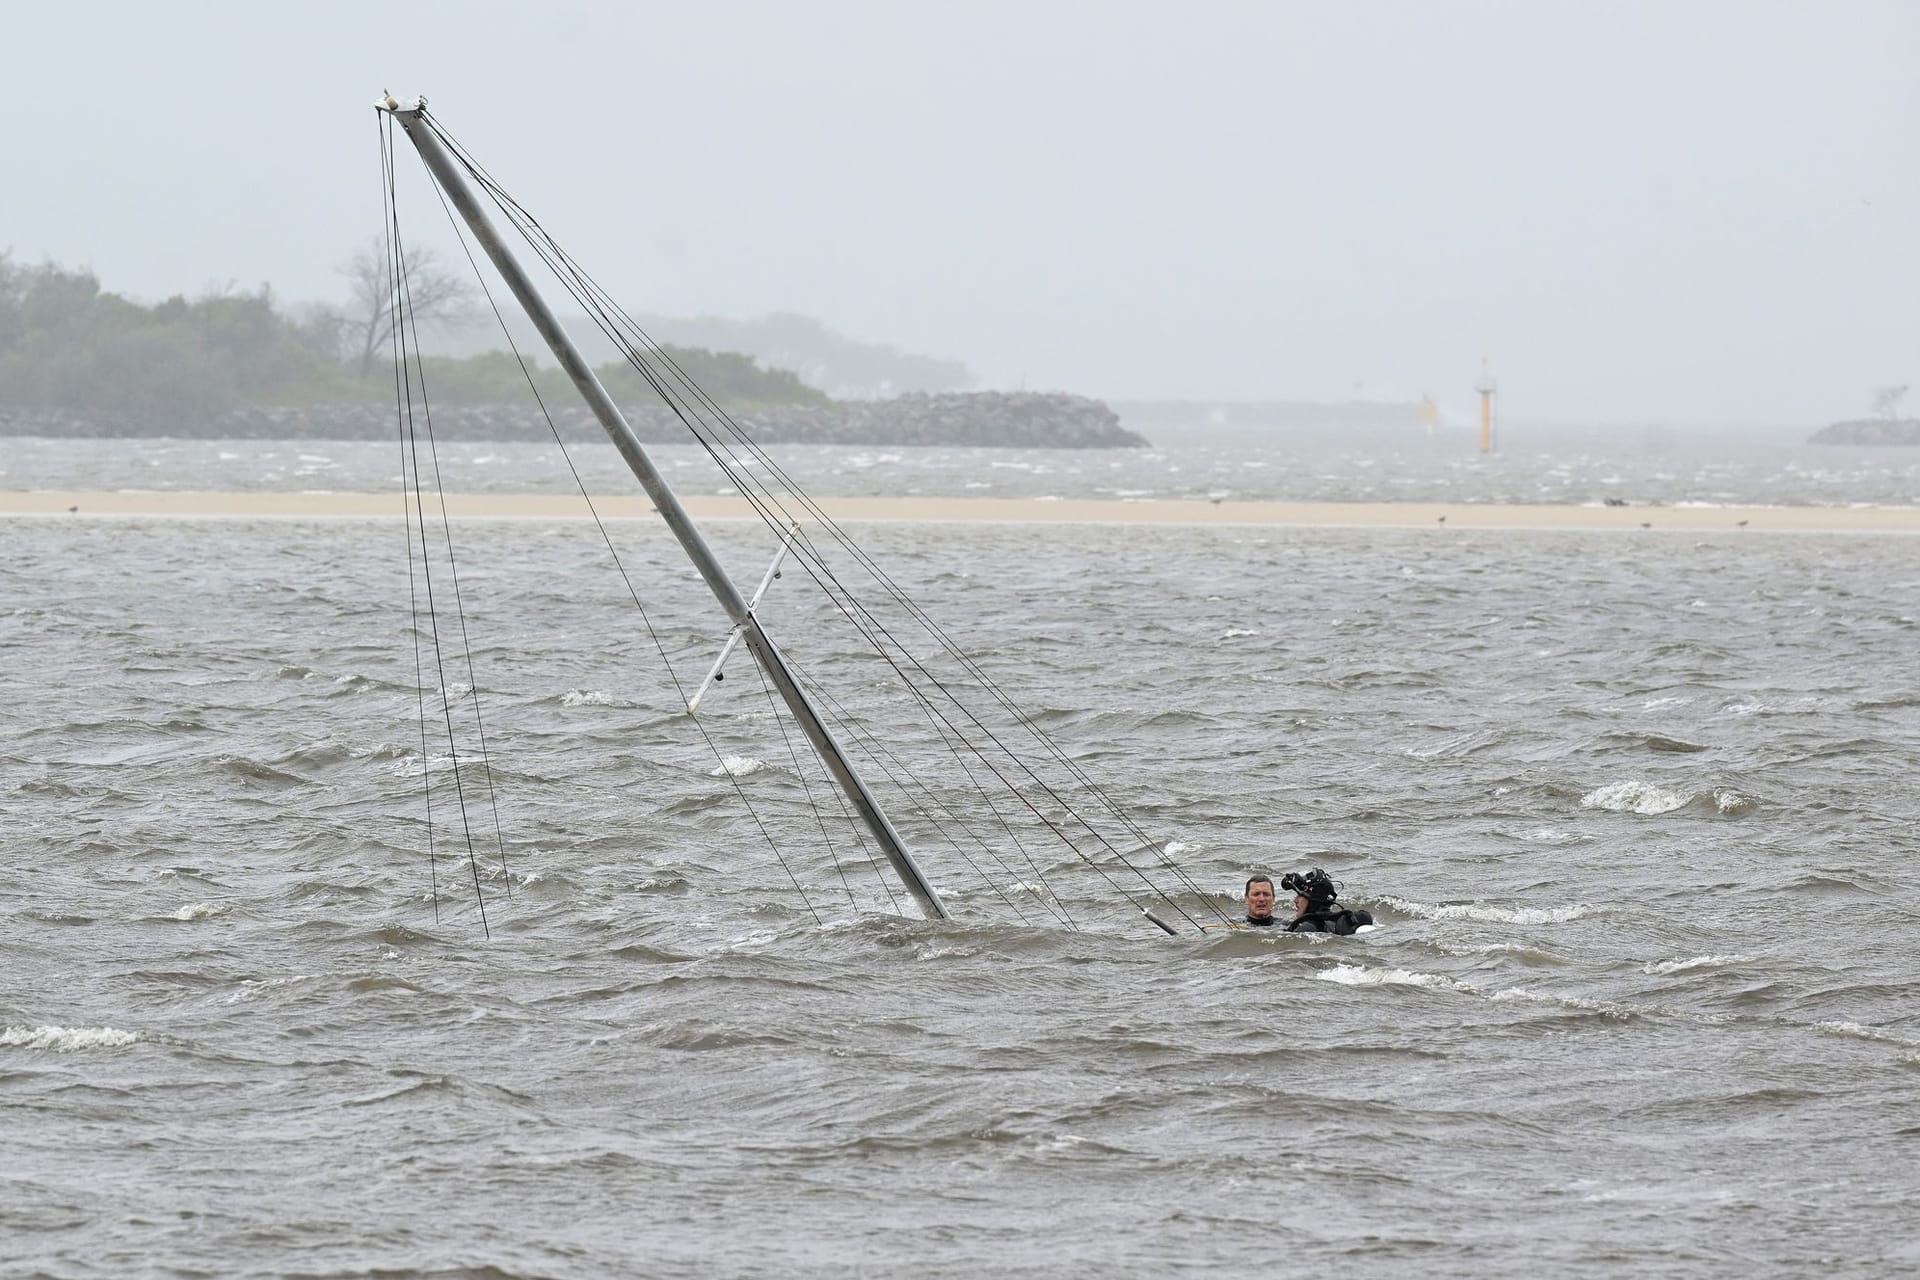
448	173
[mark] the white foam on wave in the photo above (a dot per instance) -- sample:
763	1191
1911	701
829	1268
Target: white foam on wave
1660	968
1633	796
584	698
1356	975
1488	912
1859	1031
1497	949
1727	800
66	1039
201	911
1661	704
737	766
251	987
1236	633
410	764
1601	1007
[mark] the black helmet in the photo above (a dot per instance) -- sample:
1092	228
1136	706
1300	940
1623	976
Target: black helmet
1316	886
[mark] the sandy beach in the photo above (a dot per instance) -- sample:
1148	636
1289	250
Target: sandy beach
256	505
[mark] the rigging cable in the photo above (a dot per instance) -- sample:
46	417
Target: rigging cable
632	592
602	310
410	446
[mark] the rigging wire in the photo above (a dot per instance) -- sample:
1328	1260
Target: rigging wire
602	308
806	788
459	604
411	448
384	123
607	539
694	407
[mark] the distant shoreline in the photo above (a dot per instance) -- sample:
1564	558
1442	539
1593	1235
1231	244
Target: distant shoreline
1437	515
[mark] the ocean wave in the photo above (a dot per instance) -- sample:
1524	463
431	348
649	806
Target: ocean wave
1859	1031
1660	968
737	766
1636	796
201	910
1547	835
66	1039
1487	912
1517	950
1605	1008
1355	975
409	764
249	988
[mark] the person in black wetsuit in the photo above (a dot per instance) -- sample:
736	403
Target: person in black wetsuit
1259	904
1315	909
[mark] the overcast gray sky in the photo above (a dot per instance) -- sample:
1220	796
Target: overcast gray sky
1701	212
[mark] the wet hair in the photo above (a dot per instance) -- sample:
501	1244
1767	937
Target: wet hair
1316	886
1254	880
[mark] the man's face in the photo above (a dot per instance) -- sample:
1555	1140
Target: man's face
1300	904
1259	899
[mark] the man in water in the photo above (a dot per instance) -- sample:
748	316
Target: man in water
1315	909
1259	903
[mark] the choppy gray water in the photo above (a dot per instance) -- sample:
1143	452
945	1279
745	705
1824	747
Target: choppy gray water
1637	815
1709	469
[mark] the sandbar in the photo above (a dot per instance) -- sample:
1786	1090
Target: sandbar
527	506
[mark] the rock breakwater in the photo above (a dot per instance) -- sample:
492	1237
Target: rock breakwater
996	419
1880	431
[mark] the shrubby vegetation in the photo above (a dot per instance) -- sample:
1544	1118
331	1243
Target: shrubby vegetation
66	344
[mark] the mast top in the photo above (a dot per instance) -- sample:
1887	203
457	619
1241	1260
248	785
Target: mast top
387	102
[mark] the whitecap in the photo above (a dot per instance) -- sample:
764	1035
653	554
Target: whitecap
584	698
1727	800
1660	968
1569	1002
1235	633
1633	796
66	1039
1858	1031
737	766
410	764
1485	912
201	910
1354	975
251	987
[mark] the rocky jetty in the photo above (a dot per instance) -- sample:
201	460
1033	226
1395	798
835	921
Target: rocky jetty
1870	431
998	419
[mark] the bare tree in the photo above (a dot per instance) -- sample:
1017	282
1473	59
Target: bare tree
1886	401
432	292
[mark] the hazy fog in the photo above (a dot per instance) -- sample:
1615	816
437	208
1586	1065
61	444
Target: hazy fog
1661	212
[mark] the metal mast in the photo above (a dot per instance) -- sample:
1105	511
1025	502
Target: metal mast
448	173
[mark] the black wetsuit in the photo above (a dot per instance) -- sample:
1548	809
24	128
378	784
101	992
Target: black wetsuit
1328	918
1264	922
